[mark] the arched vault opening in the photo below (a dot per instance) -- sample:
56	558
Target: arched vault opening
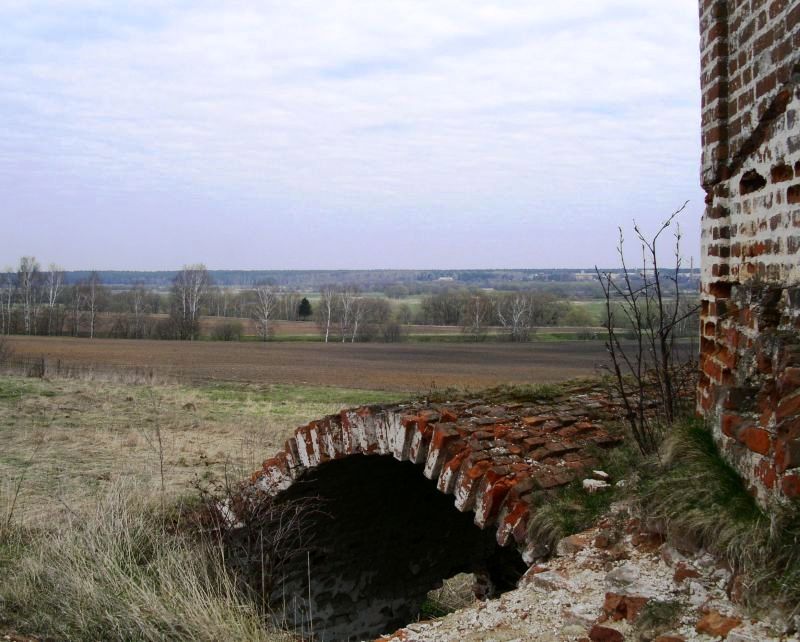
345	530
379	537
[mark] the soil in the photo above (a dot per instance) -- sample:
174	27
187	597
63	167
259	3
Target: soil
404	366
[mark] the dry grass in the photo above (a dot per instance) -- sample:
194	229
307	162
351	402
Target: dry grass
72	438
91	471
455	593
698	496
119	573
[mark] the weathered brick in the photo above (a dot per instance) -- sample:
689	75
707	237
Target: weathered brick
757	440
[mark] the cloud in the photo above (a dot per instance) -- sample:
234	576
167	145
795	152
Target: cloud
361	123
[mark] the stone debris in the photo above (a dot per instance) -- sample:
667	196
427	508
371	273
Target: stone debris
588	595
593	485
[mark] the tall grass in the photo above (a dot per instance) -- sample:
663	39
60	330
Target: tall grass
698	495
122	573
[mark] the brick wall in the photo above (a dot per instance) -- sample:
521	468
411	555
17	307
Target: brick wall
750	348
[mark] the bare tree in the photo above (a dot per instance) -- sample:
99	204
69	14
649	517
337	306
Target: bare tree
264	306
475	315
77	299
8	290
94	298
288	304
54	282
326	308
28	283
189	287
138	298
648	372
348	297
515	314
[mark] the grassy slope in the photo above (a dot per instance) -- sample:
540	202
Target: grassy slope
88	546
71	438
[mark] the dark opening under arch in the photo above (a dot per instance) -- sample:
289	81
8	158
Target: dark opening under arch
380	538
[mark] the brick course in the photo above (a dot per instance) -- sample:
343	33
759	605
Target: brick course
750	58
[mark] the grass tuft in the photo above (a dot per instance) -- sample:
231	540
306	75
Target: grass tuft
566	511
571	509
121	573
699	496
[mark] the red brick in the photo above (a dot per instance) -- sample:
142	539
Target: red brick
757	440
717	625
767	473
787	454
789	380
790	485
730	424
788	407
600	633
781	172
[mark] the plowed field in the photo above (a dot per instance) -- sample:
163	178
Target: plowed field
403	366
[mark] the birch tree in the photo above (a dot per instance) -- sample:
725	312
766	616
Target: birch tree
326	307
77	297
28	278
515	314
138	308
54	282
348	296
475	315
93	298
264	306
8	289
189	288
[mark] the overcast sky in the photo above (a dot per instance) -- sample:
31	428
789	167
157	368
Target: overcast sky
344	133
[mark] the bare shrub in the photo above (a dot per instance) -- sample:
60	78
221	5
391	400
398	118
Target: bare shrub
232	331
259	534
647	371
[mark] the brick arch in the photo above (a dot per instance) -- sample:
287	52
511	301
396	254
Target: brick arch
420	492
491	459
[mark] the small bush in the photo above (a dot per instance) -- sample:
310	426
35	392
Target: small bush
227	331
659	617
122	574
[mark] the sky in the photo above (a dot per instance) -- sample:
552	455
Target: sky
338	134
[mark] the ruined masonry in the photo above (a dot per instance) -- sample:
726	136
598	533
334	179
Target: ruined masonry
415	493
750	347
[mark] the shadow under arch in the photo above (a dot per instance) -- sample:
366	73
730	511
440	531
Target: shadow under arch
379	537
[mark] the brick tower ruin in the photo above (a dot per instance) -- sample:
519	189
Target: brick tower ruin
750	320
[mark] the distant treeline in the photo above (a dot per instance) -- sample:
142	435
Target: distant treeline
395	283
34	300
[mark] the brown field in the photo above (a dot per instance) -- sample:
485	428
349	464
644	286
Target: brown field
309	329
404	366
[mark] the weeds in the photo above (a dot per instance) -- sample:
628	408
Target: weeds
568	510
699	496
571	509
659	617
455	593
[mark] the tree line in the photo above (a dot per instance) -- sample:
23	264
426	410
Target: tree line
36	300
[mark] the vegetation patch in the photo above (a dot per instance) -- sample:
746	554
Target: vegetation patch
571	509
658	617
699	496
118	573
